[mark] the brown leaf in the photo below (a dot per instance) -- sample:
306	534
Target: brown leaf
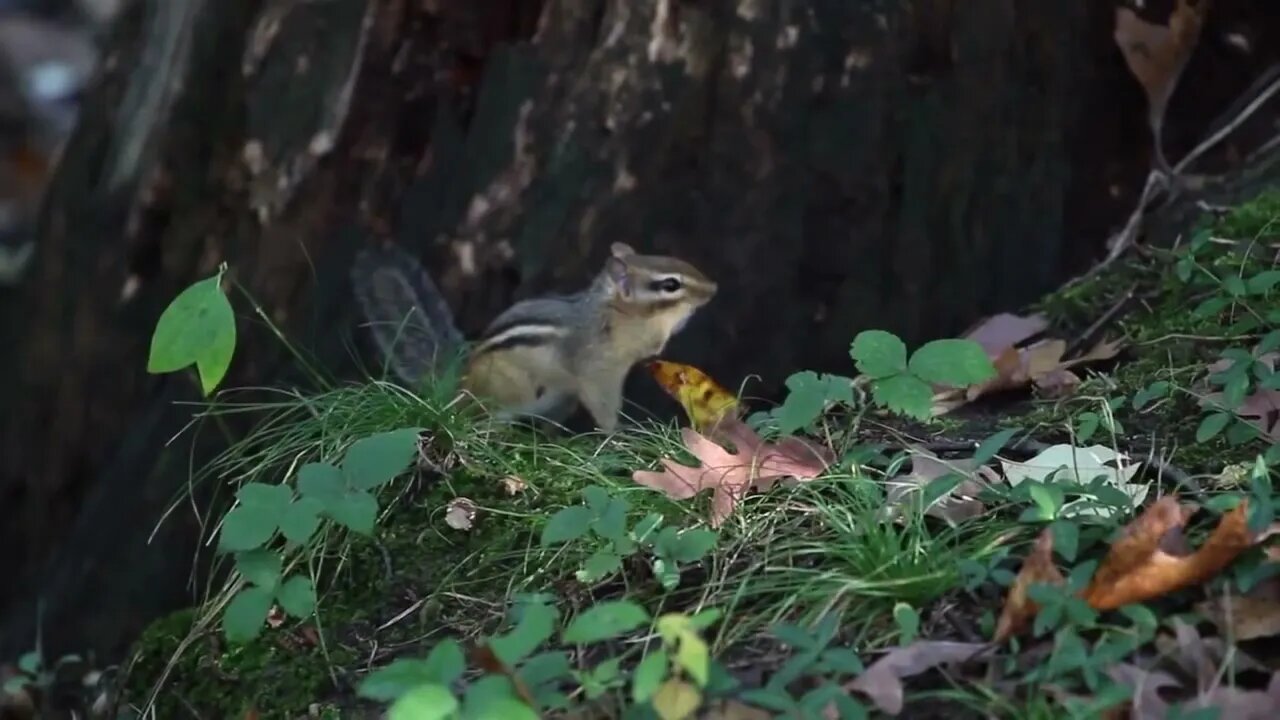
1255	614
1005	330
460	513
1037	568
882	681
1157	54
1146	686
754	464
1138	568
514	484
960	504
1260	409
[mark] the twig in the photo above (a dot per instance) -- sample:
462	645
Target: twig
1273	75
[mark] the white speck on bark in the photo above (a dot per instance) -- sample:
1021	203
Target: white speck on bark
664	46
750	9
740	52
789	36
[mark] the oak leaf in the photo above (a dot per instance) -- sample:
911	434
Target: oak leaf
753	464
704	400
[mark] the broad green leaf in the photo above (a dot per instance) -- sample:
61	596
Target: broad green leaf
29	662
300	520
611	524
605	620
601	564
567	524
425	702
321	481
648	675
904	394
1211	425
536	624
376	460
1154	391
357	511
952	361
546	667
444	664
246	613
260	567
691	650
808	397
1086	425
197	328
246	527
692	545
507	708
263	495
297	596
644	529
1066	539
878	354
597	498
1262	283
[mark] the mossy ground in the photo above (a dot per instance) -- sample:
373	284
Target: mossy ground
790	554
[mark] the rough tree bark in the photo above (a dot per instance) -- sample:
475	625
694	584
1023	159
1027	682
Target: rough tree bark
836	164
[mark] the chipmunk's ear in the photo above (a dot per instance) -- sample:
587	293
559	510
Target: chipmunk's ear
615	269
621	250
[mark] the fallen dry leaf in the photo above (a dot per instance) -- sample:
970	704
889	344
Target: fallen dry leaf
881	682
1157	54
961	503
704	400
514	484
1146	685
676	699
1037	568
1255	614
754	464
460	513
1260	409
1137	568
1039	364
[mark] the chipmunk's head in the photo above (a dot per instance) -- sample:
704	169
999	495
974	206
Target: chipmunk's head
660	290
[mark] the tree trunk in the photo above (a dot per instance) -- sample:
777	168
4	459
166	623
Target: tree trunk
836	165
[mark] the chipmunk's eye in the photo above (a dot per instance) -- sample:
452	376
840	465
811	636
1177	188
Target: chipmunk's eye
666	285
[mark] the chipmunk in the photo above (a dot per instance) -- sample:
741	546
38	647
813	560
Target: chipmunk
541	356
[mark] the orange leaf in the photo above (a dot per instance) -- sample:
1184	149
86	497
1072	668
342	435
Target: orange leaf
704	400
1139	567
1037	568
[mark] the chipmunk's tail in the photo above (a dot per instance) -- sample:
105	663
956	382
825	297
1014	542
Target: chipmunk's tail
405	311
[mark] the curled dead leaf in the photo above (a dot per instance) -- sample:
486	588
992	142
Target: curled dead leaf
514	484
704	400
960	503
1037	568
460	513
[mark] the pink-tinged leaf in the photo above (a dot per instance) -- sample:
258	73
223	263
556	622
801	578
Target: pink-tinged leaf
882	681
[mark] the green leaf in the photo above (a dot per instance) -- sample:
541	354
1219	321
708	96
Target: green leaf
29	663
425	702
507	708
262	495
645	527
197	328
1211	425
611	524
321	481
246	527
1211	307
904	394
357	511
952	361
597	498
376	460
536	624
260	567
939	487
1066	539
692	545
444	664
808	396
1154	391
1086	426
567	524
1262	283
601	564
1047	498
878	354
988	448
1234	285
908	621
649	674
246	613
300	520
605	620
297	596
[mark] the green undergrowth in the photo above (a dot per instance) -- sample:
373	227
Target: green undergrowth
435	560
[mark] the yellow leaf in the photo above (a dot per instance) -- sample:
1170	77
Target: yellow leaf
704	400
691	651
676	700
